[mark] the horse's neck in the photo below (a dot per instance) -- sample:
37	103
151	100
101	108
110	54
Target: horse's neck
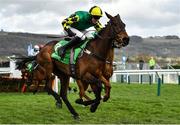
110	55
102	45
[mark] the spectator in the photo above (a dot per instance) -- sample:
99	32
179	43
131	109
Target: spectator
141	63
152	63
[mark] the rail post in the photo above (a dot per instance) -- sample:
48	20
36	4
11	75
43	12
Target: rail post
128	79
150	79
55	84
159	87
141	77
162	78
122	78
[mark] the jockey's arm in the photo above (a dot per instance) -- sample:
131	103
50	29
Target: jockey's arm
66	23
98	26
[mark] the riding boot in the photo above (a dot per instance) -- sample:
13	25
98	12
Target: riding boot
34	64
62	50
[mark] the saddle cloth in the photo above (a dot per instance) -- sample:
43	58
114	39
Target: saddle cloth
66	59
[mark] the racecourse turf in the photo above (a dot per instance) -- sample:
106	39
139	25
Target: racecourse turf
129	103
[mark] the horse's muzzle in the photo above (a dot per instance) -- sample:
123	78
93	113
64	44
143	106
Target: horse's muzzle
125	41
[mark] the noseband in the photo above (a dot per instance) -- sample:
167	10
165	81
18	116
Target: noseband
115	37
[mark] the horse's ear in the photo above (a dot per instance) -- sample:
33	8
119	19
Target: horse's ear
108	15
118	15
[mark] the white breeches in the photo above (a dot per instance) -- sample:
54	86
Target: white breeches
81	34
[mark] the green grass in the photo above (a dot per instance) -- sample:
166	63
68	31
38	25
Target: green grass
132	103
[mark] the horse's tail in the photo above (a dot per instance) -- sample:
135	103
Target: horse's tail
22	63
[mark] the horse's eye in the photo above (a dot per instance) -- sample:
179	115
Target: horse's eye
115	24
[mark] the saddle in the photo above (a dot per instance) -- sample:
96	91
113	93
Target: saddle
71	55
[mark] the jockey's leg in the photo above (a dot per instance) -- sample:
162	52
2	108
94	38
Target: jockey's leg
34	64
74	42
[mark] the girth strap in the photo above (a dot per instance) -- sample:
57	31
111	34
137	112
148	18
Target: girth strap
72	65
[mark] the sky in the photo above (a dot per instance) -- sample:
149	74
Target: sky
142	17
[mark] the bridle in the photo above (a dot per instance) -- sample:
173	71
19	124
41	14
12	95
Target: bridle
115	37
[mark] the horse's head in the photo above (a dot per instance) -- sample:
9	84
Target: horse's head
119	34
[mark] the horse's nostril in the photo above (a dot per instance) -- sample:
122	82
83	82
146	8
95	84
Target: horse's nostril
126	39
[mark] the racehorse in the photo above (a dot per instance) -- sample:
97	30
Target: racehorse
89	67
33	76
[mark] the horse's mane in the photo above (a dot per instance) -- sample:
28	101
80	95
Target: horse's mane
20	64
51	42
101	31
98	35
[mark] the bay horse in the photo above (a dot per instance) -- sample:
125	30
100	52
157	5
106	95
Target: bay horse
34	77
89	67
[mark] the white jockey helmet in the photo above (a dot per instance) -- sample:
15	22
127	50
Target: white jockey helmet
36	48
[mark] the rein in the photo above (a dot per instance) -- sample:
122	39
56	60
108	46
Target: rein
96	56
113	36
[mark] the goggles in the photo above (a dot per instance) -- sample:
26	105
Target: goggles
96	17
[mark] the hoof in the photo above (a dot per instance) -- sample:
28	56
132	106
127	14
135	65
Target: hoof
59	105
34	92
93	107
105	98
79	101
76	117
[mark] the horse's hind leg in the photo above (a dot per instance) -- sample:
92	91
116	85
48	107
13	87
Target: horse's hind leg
48	88
44	60
63	92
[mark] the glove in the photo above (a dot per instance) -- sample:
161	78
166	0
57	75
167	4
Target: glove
70	33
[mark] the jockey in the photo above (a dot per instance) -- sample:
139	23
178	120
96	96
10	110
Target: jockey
36	50
32	64
79	22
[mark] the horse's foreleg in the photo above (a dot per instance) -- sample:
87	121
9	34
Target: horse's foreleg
107	88
97	87
81	89
81	92
36	84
